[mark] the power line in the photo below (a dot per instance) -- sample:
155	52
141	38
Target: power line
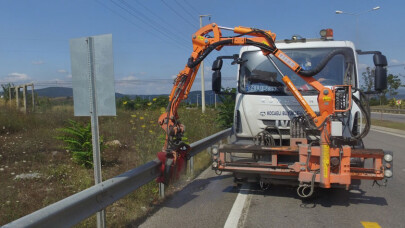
185	10
178	14
130	21
191	7
152	22
146	22
126	19
158	16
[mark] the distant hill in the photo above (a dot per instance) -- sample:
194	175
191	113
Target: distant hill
60	92
68	92
55	92
401	93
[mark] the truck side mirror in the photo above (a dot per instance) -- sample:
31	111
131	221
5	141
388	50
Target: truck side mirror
216	81
380	80
216	76
217	64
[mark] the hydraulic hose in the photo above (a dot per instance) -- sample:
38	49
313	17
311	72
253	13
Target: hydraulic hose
193	63
301	189
366	113
345	52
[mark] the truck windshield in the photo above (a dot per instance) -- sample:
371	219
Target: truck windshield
258	75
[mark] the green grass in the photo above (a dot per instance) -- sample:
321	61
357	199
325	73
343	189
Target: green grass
28	145
389	124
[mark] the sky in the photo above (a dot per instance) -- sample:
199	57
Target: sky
152	38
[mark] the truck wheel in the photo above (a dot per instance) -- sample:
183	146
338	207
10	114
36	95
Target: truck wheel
238	182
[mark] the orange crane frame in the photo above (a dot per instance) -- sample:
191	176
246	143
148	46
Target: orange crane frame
178	152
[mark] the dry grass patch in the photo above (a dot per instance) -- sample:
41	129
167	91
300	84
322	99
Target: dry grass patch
28	146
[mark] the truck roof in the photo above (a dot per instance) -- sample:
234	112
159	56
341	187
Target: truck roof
314	43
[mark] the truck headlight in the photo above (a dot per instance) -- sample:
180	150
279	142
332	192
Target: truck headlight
388	158
214	151
215	165
388	173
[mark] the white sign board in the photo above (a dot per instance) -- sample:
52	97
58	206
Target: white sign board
93	57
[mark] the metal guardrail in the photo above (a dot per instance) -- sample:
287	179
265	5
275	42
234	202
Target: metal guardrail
388	110
75	208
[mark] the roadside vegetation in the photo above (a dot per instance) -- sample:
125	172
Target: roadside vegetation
387	97
38	166
389	124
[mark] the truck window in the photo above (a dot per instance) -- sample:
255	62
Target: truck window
258	75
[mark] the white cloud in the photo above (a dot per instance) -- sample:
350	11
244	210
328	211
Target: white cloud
37	62
130	77
16	77
395	61
62	71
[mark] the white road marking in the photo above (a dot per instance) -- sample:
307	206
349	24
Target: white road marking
389	133
237	208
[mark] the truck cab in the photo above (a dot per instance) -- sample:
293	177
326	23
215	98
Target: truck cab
276	140
266	106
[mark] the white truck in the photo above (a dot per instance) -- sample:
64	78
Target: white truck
303	130
270	106
266	114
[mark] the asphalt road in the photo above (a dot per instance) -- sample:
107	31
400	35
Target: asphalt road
387	116
208	201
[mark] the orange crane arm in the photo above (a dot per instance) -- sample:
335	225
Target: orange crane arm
202	46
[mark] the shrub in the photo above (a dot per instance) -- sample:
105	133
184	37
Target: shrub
226	108
78	140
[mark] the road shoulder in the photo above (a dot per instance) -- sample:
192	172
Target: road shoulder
386	129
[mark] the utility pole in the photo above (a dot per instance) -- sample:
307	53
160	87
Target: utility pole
202	75
357	19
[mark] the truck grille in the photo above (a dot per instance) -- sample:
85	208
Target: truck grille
271	123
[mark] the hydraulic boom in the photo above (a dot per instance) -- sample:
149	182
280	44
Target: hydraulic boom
310	169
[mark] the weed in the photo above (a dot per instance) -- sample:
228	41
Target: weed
78	140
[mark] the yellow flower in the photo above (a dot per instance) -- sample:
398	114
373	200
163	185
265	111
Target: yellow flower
154	99
150	131
143	126
150	103
133	116
141	118
162	110
125	102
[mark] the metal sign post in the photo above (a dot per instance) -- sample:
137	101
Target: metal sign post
94	126
93	90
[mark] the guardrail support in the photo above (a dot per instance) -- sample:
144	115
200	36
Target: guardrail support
191	166
161	190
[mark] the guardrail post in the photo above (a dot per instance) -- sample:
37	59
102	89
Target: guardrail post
161	190
191	166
